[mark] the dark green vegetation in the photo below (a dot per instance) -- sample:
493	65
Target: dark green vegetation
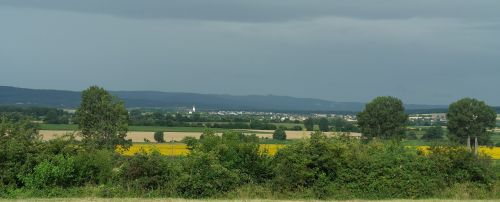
469	118
377	166
433	133
159	136
229	165
47	115
384	117
102	119
279	134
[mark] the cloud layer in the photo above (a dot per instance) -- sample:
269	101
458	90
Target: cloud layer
429	52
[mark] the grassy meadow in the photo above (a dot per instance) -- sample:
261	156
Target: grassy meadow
213	200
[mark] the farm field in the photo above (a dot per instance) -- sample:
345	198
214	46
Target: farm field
179	149
144	136
71	127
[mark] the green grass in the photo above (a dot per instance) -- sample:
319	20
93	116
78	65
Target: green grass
213	200
289	125
271	141
58	126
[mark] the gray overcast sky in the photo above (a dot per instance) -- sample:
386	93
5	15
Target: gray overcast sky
422	51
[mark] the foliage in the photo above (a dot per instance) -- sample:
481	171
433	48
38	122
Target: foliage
433	133
383	117
102	119
230	164
309	124
324	124
411	135
469	117
344	168
159	137
342	125
148	172
45	114
279	134
17	141
205	176
57	171
237	151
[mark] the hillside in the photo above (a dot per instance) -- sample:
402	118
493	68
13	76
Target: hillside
147	99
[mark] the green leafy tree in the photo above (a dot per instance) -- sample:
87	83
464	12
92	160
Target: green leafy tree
470	118
159	137
433	133
309	124
383	117
18	139
279	134
102	119
324	125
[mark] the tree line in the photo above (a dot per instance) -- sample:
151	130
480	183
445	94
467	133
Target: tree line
232	165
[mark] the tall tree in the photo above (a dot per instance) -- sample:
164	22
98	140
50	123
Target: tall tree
470	118
102	119
383	117
309	124
324	125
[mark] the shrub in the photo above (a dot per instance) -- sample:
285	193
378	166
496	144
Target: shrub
18	141
94	167
279	134
205	176
145	172
433	133
340	167
159	137
238	152
411	135
56	172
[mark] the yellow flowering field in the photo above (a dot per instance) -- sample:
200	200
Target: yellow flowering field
494	152
164	149
182	150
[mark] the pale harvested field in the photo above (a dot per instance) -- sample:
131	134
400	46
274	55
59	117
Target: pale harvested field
299	134
137	136
212	200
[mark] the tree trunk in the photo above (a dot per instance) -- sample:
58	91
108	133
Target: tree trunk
468	143
476	146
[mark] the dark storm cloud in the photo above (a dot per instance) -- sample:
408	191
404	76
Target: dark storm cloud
426	51
275	10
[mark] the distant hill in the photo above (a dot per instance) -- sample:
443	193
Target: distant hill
150	99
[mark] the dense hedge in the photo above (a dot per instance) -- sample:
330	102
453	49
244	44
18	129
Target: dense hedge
231	165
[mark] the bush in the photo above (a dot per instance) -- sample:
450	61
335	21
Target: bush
340	167
159	137
205	176
411	135
94	167
145	172
279	134
56	172
18	141
238	152
433	133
